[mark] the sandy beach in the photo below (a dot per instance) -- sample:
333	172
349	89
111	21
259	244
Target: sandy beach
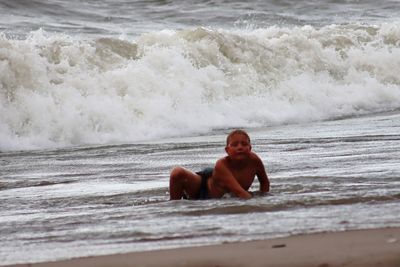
377	247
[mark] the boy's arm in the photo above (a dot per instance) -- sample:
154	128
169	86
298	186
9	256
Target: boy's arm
226	178
262	176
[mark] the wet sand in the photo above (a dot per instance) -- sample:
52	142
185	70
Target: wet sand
376	247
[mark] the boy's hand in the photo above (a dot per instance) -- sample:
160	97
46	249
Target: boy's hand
245	196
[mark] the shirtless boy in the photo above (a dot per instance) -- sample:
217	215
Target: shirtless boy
232	174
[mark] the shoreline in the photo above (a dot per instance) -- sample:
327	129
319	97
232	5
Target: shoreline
363	248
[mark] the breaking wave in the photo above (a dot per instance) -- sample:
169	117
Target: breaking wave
57	90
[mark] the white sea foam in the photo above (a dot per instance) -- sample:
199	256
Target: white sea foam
76	189
58	90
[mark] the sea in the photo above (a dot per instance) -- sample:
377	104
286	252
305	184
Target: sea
99	100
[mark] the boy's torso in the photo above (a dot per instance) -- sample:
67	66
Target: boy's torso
244	175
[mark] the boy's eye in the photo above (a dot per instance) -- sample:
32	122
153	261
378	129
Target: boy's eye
234	144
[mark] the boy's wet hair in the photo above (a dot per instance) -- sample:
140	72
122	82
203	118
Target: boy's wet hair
237	131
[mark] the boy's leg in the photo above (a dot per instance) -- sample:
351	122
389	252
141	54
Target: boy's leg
183	181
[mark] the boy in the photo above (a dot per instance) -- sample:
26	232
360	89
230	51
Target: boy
232	174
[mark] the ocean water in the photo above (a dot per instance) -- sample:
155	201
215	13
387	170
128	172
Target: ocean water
100	99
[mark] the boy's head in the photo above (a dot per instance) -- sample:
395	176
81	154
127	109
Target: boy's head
238	145
234	132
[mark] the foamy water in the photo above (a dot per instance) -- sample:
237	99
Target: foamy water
327	176
59	90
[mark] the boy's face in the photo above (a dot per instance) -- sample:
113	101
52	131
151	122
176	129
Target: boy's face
238	147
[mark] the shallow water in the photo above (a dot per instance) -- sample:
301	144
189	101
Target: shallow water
325	176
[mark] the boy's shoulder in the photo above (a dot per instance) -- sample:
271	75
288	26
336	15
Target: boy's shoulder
221	161
254	156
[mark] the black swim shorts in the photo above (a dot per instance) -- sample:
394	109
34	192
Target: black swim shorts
204	174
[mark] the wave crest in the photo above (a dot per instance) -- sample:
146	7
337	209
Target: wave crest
56	90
